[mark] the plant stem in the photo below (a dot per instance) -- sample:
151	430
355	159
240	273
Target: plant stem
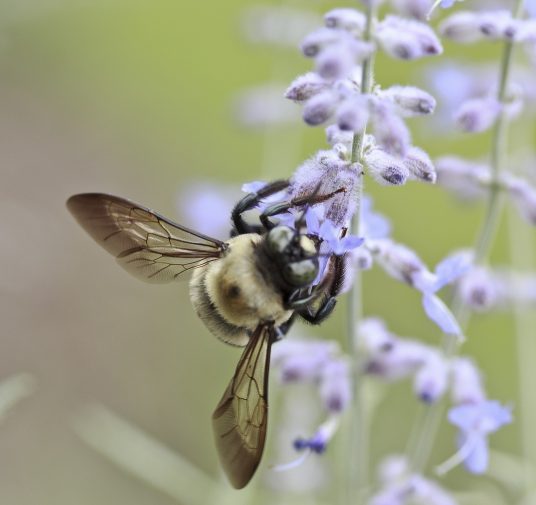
357	457
419	452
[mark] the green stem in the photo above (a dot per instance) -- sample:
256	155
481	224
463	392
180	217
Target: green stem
419	451
357	457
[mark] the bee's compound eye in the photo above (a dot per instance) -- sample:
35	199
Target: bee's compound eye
301	273
279	238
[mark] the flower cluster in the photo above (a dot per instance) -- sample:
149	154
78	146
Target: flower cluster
321	364
393	358
334	93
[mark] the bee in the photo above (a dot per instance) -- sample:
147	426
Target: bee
248	290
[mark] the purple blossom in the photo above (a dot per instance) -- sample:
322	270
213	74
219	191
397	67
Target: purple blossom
390	131
524	196
206	207
410	100
476	422
431	380
319	441
478	289
466	179
373	225
351	20
407	39
336	385
466	383
385	168
306	86
320	107
352	114
420	165
477	115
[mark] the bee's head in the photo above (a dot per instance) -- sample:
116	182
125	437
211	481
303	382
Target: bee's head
295	253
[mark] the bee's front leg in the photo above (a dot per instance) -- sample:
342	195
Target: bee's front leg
249	202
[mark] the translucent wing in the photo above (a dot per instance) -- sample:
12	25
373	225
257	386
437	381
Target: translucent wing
239	420
144	243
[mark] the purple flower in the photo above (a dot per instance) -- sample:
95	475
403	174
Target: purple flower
478	289
477	115
420	165
351	20
410	100
407	39
431	380
373	225
476	422
390	131
336	385
306	86
320	107
206	207
352	114
462	27
328	233
524	196
319	441
467	180
466	383
385	168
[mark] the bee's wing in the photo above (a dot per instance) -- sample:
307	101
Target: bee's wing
144	243
239	420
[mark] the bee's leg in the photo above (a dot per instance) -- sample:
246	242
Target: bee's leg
249	202
336	283
283	329
325	309
279	208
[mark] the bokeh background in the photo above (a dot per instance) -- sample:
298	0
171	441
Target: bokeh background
138	99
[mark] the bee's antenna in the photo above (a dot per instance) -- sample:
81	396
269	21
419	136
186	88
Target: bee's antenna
300	222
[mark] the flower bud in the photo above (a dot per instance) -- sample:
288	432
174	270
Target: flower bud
420	165
399	261
313	43
466	386
319	108
526	31
390	131
477	115
524	196
351	20
352	114
335	385
410	101
374	337
465	179
386	169
306	86
417	9
431	380
335	61
478	290
497	25
407	39
334	136
462	27
401	360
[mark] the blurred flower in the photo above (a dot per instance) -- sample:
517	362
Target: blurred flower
478	289
206	207
431	380
466	382
477	115
467	180
407	39
476	422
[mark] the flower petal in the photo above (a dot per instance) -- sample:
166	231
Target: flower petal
439	313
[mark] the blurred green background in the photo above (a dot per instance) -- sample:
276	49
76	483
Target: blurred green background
136	98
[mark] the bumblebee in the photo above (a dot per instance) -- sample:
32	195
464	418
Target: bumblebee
248	290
